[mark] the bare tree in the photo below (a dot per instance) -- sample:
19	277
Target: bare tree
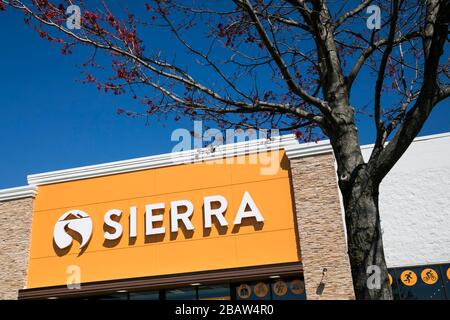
286	64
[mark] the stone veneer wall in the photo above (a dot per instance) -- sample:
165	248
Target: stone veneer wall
321	228
15	232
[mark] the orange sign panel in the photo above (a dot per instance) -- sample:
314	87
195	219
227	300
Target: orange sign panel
170	220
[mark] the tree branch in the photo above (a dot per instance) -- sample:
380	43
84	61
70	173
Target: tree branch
370	50
246	5
381	73
435	36
352	13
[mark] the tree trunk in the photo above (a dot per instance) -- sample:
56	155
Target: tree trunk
365	244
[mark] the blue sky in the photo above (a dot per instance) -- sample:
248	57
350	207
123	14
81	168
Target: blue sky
50	121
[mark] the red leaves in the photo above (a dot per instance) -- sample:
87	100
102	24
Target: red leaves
116	89
121	73
2	6
128	37
108	86
41	3
298	134
90	78
230	32
103	27
42	34
112	21
391	70
250	39
90	16
65	50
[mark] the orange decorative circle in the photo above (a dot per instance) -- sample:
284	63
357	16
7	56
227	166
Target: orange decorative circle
448	273
280	288
429	276
244	291
261	289
408	278
390	279
297	286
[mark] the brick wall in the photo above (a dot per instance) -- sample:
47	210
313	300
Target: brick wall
321	230
15	231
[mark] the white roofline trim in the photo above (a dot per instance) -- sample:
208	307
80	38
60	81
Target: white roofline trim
417	139
18	193
293	149
308	149
324	146
164	160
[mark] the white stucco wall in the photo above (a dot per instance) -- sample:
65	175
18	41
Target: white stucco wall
415	204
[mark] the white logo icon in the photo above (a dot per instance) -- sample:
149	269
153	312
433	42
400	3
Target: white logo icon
77	221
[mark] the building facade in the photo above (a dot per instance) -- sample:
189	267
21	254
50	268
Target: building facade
261	219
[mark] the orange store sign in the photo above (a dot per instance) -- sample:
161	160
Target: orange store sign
167	220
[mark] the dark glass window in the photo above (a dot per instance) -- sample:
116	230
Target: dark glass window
114	296
394	284
445	274
185	293
146	295
214	292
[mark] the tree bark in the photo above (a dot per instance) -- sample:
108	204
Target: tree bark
360	187
365	243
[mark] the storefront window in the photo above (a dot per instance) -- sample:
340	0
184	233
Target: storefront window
393	280
214	292
409	283
147	295
114	296
185	293
267	289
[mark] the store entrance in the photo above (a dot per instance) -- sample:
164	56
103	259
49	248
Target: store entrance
267	289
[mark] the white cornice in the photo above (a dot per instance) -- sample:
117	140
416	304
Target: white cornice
164	160
308	149
293	149
324	146
18	193
417	139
